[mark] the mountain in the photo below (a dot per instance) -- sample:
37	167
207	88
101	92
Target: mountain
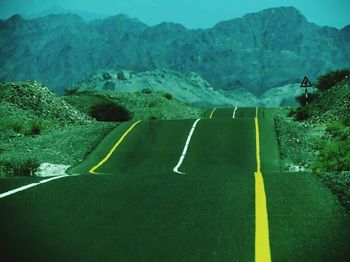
57	9
259	51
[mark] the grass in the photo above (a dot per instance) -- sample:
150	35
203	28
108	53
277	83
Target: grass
334	152
67	145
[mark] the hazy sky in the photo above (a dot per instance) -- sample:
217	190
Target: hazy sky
190	13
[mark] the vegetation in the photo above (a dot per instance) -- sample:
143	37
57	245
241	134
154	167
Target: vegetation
302	99
326	122
334	153
30	127
329	80
121	76
109	86
19	167
299	114
334	156
168	96
71	91
106	76
146	91
110	112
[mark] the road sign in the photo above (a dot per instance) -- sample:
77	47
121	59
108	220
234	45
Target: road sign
306	83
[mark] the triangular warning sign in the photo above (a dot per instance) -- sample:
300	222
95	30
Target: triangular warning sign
306	83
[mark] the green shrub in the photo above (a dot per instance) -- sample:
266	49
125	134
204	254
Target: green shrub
339	183
39	126
334	156
335	129
291	113
106	76
20	167
301	114
17	126
153	118
146	91
168	96
110	112
2	171
346	120
109	86
121	76
36	129
71	91
329	80
152	104
302	99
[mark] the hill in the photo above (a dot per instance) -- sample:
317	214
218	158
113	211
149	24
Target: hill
316	138
143	105
188	87
39	127
257	52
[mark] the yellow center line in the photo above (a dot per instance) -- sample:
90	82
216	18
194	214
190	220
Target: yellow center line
262	241
212	112
93	169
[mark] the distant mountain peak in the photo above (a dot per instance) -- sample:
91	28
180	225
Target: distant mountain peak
289	12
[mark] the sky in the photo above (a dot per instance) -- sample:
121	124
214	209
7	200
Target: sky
190	13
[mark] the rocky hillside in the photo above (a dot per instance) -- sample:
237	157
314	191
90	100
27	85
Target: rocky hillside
259	51
37	101
316	138
188	87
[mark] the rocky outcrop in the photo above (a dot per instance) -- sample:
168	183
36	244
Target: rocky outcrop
36	99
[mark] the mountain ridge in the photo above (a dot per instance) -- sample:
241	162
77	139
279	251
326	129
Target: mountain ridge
270	48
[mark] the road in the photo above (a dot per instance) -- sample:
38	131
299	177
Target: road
227	200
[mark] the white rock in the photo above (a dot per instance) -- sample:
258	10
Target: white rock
47	169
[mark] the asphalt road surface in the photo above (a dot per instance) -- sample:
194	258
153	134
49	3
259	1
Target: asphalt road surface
186	190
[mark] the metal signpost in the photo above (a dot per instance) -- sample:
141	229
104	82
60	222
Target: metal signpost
305	84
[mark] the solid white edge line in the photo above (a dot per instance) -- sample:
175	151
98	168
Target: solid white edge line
234	112
182	157
22	188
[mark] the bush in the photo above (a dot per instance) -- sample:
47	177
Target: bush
71	91
291	113
334	156
346	120
17	126
109	86
39	126
335	129
152	104
121	76
168	96
153	118
329	80
146	91
36	129
20	167
110	112
106	76
302	100
301	114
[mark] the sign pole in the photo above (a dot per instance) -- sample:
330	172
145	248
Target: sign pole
305	84
306	96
